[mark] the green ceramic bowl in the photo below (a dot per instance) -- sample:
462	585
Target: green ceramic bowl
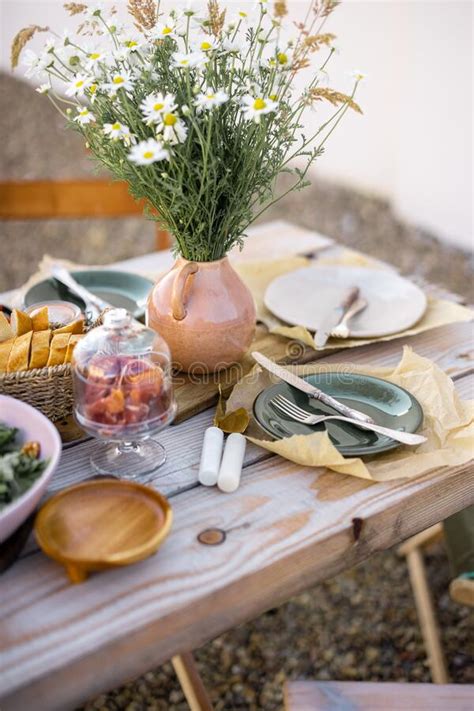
388	405
122	289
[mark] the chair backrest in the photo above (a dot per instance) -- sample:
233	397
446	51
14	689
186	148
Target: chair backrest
71	199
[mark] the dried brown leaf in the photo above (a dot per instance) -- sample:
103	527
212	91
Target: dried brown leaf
280	9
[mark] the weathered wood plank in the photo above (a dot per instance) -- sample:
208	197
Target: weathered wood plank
373	696
287	528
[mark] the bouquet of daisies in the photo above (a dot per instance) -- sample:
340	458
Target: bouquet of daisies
195	110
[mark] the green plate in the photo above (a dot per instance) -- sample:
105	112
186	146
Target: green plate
123	289
388	405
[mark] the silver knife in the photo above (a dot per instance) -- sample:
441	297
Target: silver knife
92	302
334	317
309	389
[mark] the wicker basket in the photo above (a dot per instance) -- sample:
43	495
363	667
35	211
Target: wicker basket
50	390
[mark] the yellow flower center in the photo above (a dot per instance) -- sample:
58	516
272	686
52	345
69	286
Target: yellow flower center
84	112
205	46
282	58
116	126
92	88
79	84
148	154
169	119
118	80
131	43
242	14
273	97
184	62
211	96
167	30
259	104
94	55
158	107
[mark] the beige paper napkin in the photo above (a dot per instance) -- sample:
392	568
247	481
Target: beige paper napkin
258	275
448	422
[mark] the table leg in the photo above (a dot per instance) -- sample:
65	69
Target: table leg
191	682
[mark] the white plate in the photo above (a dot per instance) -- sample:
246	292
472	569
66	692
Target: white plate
305	296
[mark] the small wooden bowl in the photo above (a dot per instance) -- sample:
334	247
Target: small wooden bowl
102	524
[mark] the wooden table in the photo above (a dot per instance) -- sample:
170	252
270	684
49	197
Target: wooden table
286	528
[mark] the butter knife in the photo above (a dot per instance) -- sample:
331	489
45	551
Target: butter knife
309	389
334	317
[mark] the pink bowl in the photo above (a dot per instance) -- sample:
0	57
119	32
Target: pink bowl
32	425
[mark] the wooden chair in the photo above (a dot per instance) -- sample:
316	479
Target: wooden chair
376	696
457	532
71	199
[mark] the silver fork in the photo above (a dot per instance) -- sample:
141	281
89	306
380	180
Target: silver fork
299	415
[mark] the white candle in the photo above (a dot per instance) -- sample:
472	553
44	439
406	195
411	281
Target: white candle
231	465
211	456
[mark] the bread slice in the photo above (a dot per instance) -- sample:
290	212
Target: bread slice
71	345
20	353
5	350
40	349
40	319
74	327
58	349
6	331
20	322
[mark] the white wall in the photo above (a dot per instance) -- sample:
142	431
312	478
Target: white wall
414	143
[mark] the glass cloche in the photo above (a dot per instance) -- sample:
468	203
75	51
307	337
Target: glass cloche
123	395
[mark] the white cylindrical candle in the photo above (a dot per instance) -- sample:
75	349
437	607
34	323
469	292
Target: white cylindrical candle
232	461
211	456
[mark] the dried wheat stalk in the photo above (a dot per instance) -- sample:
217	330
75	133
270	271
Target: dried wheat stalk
21	39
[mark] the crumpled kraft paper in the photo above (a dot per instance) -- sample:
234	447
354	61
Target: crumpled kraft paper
448	422
258	275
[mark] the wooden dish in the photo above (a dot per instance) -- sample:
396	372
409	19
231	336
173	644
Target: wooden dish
102	524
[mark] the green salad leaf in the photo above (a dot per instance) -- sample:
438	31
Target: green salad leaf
19	466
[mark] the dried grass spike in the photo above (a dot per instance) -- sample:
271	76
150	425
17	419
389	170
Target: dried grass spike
216	18
75	8
280	9
315	42
22	39
145	13
336	98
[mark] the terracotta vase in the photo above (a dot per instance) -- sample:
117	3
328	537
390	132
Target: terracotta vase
204	312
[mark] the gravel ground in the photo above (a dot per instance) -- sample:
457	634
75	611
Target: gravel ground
360	625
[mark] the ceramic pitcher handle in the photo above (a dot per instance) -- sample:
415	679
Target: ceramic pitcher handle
178	307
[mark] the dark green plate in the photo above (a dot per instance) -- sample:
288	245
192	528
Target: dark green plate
123	289
388	405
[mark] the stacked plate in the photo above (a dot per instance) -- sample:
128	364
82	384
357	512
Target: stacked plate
306	296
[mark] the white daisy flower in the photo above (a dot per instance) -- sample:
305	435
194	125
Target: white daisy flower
43	88
155	105
358	75
84	117
119	132
206	44
164	29
34	64
253	107
172	129
147	152
233	45
78	85
131	42
189	60
210	99
120	80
